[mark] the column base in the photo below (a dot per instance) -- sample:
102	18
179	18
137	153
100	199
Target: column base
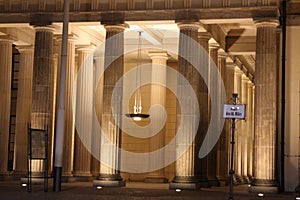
238	179
156	180
67	177
223	180
264	186
37	181
108	183
246	179
109	180
184	186
250	178
188	183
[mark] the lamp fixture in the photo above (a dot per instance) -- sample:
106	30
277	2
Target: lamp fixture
137	114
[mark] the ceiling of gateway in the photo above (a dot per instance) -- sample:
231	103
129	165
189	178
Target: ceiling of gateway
230	23
235	37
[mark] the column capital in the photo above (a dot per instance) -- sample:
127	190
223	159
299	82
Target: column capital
44	28
244	70
214	46
86	48
71	37
25	48
245	78
266	23
158	55
222	55
204	36
250	83
8	38
251	77
115	27
188	25
230	66
238	71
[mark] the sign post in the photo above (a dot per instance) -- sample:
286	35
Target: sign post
233	111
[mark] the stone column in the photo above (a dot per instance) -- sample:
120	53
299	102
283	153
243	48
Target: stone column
244	131
5	91
238	129
23	109
250	129
212	156
265	113
98	105
114	48
158	96
85	89
42	86
203	99
69	129
223	143
42	77
186	174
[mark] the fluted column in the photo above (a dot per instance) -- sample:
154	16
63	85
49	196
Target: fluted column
212	156
82	157
42	86
244	131
158	96
186	174
5	91
250	129
265	108
203	99
68	147
98	106
222	145
114	47
42	77
23	108
238	129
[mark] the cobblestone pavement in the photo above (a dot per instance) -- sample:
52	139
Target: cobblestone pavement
12	190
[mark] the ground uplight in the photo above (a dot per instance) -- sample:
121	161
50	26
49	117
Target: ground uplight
260	194
99	187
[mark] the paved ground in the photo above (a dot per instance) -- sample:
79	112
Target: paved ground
12	190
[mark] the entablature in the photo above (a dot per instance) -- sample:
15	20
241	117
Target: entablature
24	11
